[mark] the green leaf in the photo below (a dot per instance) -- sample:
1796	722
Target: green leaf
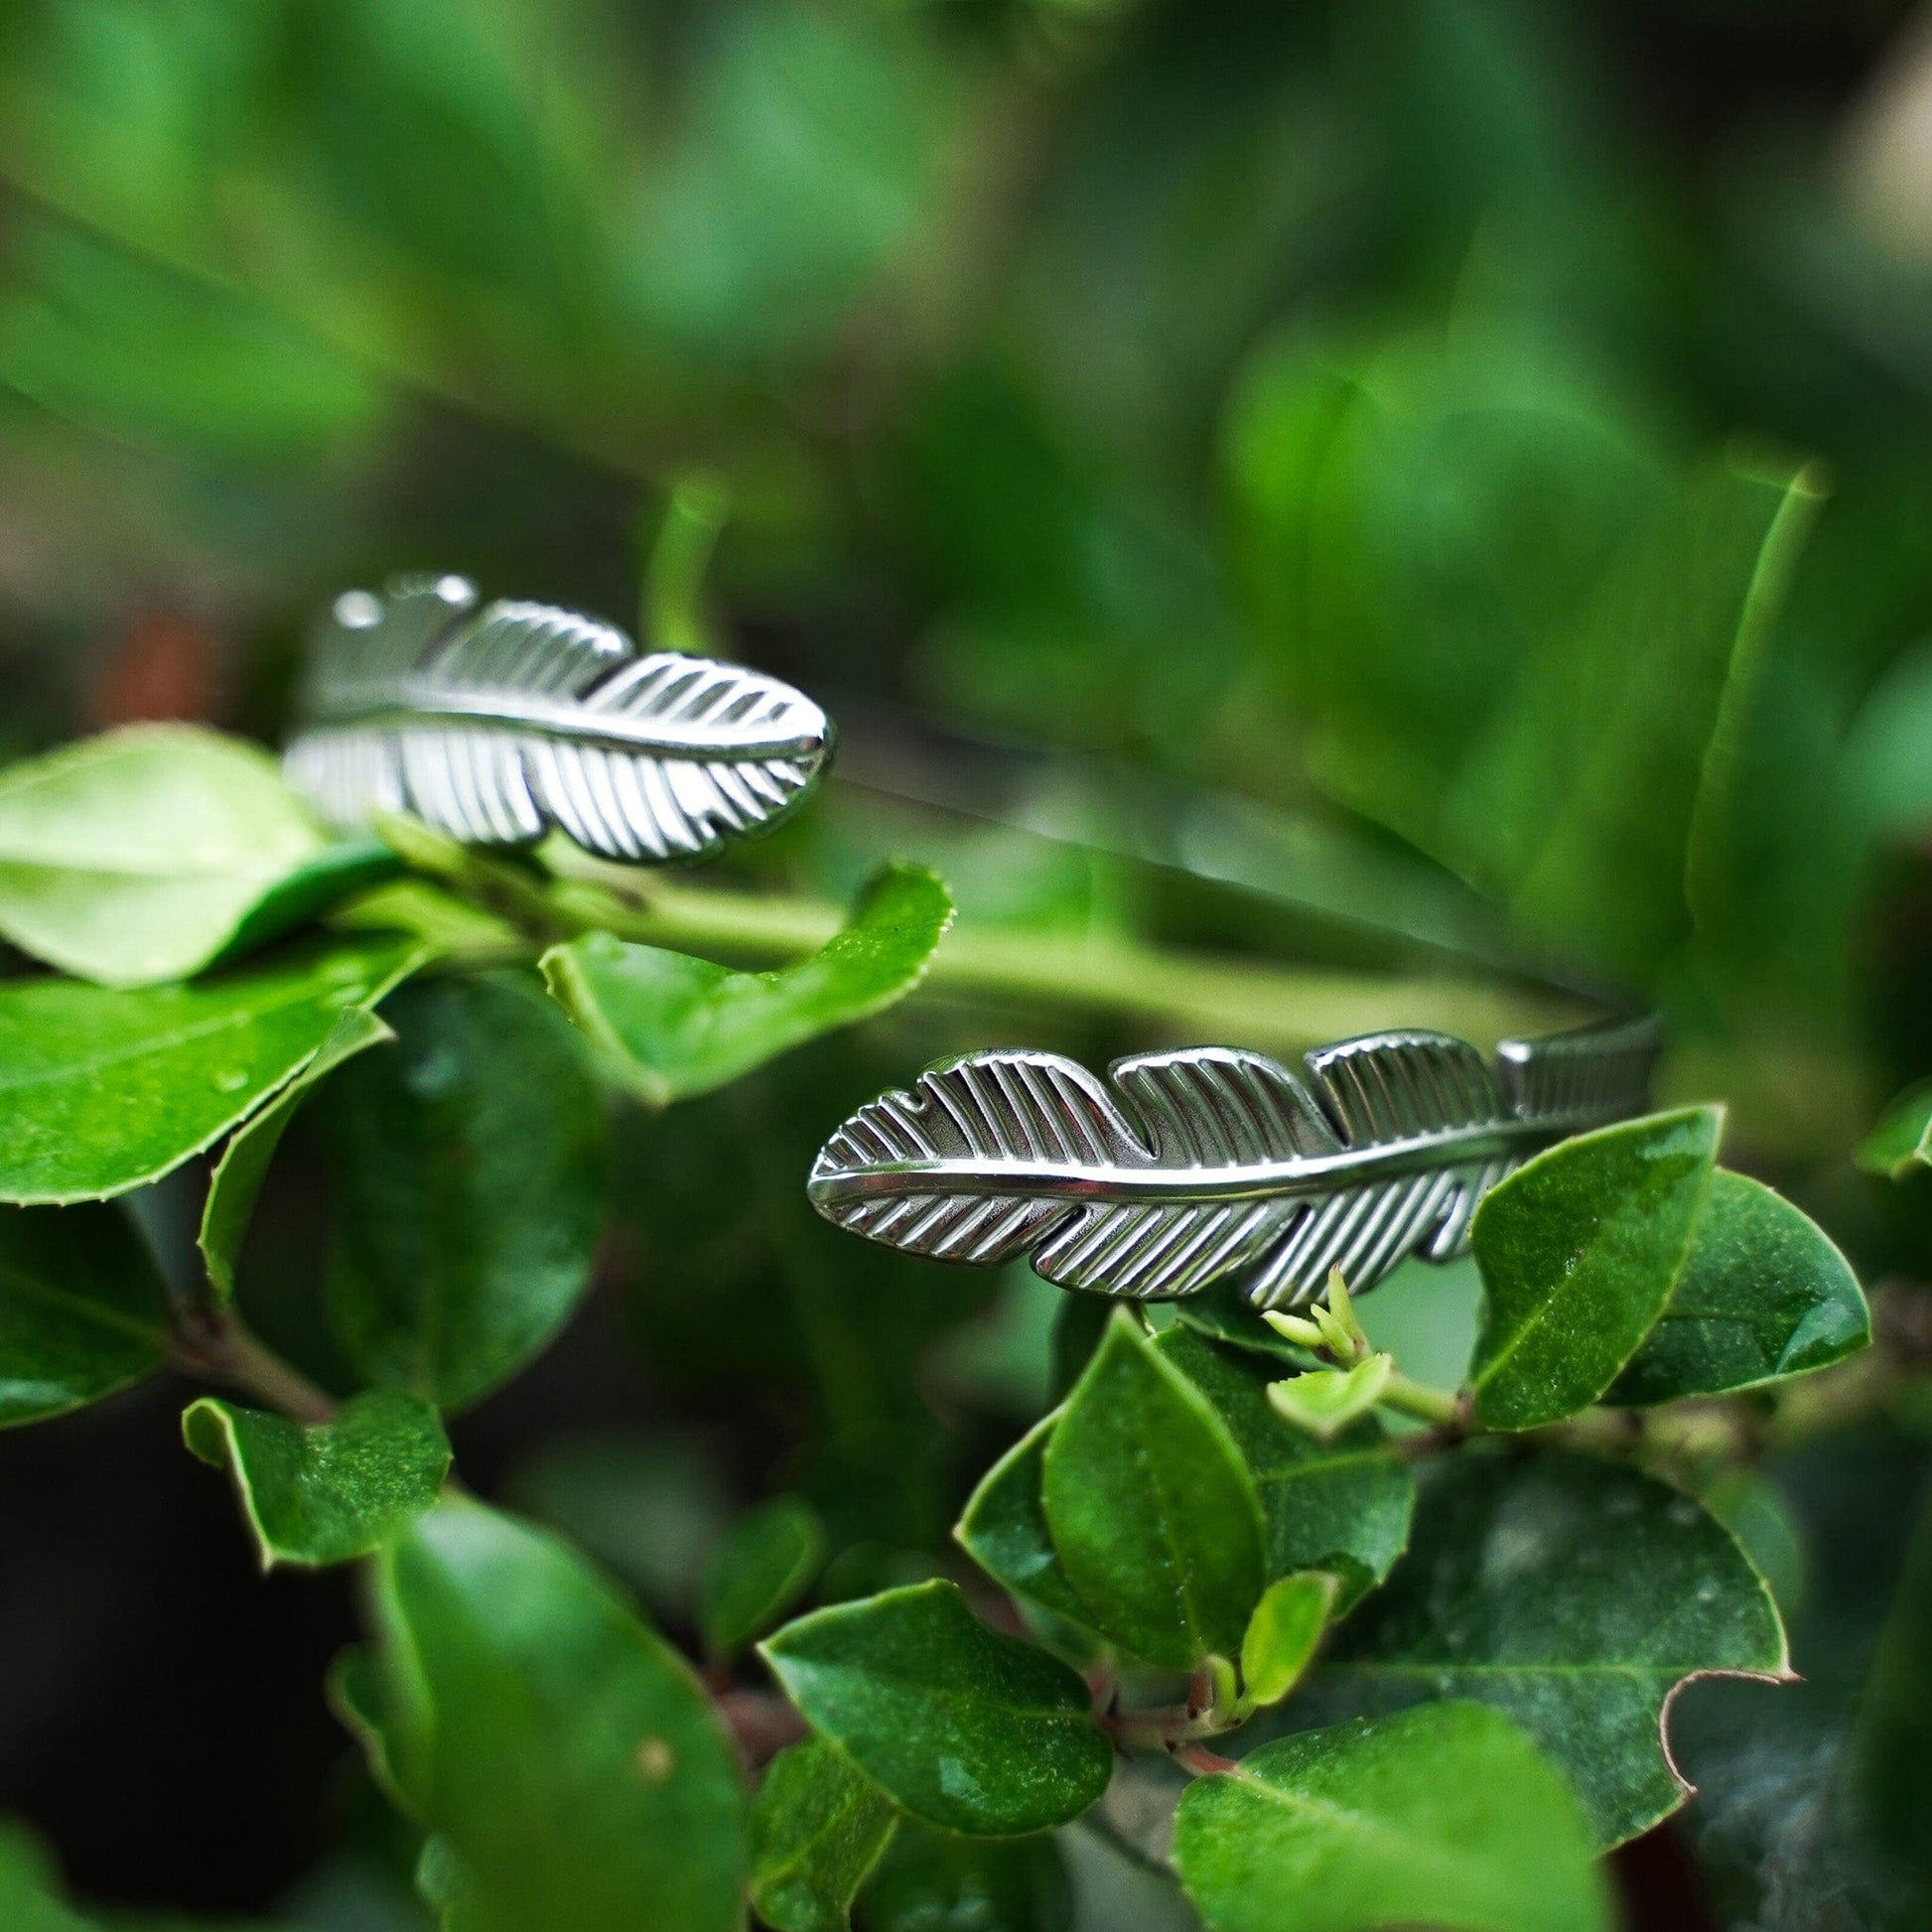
1902	1139
1441	1816
1325	1401
327	1493
1222	1315
1763	1294
817	1830
104	1090
1283	1632
1340	1506
1579	1250
968	1730
83	1309
29	1893
470	1166
568	1762
762	1569
936	1882
1004	1528
237	1182
1151	1507
1575	1596
672	1026
146	853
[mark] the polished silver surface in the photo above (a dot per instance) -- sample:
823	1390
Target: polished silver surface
1213	1162
496	725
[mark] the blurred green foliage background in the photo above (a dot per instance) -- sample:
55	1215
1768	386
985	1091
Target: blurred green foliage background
1432	489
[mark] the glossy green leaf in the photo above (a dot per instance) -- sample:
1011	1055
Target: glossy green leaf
1222	1315
142	855
1444	1815
567	1761
1575	1596
237	1182
670	1025
1340	1506
470	1168
83	1309
938	1881
1764	1293
1326	1400
1004	1528
966	1728
760	1571
1151	1506
818	1827
1579	1250
105	1090
1283	1632
1902	1139
329	1493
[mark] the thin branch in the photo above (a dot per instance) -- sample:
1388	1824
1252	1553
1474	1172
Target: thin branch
218	1348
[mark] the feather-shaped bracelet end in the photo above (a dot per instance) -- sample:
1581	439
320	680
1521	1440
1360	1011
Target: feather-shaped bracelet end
1213	1162
496	725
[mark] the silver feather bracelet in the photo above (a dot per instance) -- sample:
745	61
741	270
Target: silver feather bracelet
1212	1162
496	725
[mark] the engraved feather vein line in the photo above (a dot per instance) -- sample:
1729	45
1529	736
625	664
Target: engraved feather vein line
1180	1168
415	703
1264	1180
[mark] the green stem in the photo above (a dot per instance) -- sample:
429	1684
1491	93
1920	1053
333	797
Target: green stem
1440	1408
672	617
220	1349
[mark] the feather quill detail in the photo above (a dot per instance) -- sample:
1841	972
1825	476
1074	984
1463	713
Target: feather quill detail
495	726
1191	1167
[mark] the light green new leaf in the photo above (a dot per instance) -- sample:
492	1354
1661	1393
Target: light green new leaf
1579	1250
817	1830
470	1168
1152	1508
1283	1632
670	1025
1574	1595
142	855
1440	1816
1763	1294
102	1091
327	1493
237	1182
966	1728
1004	1528
1902	1141
83	1309
760	1572
1325	1401
1340	1506
568	1763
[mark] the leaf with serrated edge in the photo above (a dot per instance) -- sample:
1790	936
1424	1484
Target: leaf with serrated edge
330	1492
104	1090
1343	1506
84	1310
1579	1250
569	1762
1325	1401
969	1729
237	1182
1763	1295
1575	1596
818	1827
1152	1508
1004	1528
760	1572
669	1026
1444	1815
